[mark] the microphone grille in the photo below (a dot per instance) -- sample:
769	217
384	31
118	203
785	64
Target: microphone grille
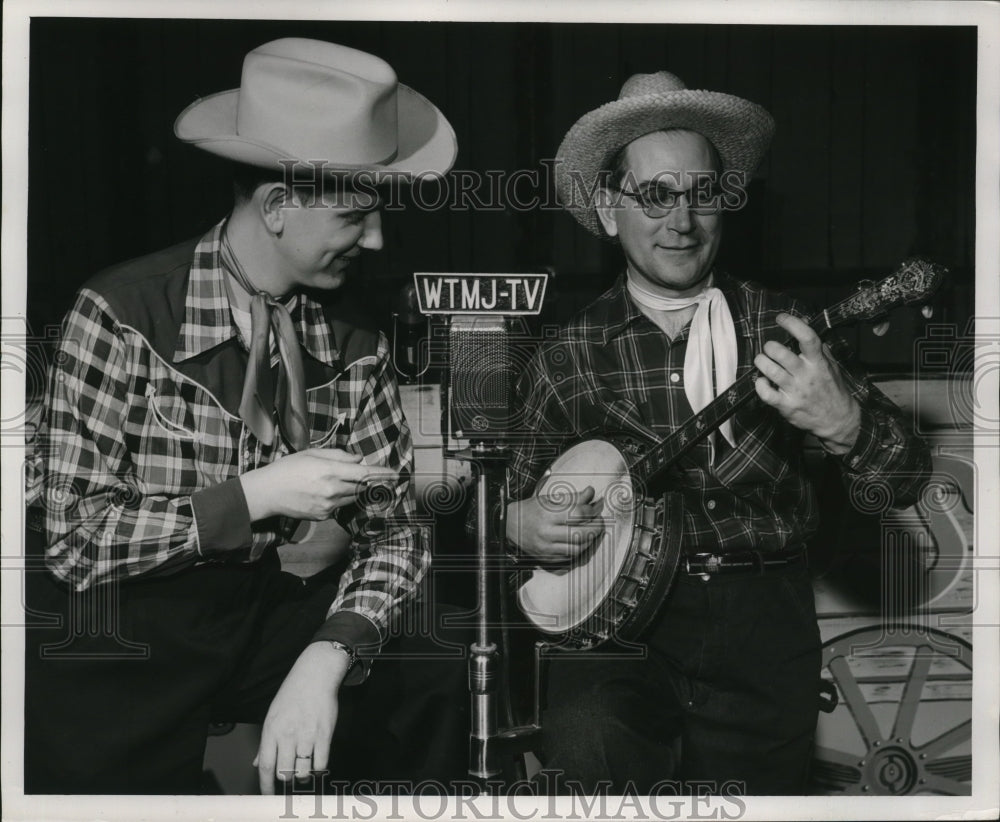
480	376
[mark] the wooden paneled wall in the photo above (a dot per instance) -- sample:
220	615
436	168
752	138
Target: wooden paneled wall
873	158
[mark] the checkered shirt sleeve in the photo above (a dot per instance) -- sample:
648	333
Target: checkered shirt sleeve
100	525
886	453
391	552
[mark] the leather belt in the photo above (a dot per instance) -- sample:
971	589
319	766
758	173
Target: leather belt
740	562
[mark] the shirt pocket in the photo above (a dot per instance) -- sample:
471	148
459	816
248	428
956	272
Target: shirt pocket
331	413
169	414
184	441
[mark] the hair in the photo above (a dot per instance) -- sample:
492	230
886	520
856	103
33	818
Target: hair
247	179
615	169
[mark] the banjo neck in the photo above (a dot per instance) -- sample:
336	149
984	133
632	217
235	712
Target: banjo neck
915	280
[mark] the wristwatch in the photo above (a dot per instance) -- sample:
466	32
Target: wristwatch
352	657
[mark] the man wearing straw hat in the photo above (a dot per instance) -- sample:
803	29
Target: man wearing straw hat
207	400
725	697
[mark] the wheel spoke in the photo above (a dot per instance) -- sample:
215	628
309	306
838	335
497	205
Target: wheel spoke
835	770
856	704
835	757
952	767
942	784
947	740
912	690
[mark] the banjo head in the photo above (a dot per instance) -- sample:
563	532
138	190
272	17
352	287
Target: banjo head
561	599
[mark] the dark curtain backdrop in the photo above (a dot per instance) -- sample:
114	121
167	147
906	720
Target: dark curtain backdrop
873	159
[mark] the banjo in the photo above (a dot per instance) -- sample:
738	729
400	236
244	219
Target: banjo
616	587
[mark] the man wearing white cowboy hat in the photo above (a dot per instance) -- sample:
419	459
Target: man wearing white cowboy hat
207	400
725	697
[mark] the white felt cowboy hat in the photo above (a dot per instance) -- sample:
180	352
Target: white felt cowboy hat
740	131
312	101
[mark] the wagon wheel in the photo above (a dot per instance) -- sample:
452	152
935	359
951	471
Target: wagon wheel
896	762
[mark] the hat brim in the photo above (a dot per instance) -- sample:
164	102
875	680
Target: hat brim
426	142
741	132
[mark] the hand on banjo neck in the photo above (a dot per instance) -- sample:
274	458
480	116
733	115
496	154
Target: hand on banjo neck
807	388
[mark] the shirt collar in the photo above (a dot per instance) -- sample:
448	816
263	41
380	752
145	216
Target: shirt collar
208	321
620	311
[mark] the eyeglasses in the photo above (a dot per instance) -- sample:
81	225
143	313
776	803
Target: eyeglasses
658	200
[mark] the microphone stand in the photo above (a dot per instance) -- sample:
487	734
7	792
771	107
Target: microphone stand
489	745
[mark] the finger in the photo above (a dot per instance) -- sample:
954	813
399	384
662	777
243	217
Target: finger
785	357
584	538
303	765
576	535
767	393
589	521
569	550
770	369
264	762
587	512
808	340
380	475
335	454
285	761
321	753
566	500
359	472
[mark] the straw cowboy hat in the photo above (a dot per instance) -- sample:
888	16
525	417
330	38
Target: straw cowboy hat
740	131
312	101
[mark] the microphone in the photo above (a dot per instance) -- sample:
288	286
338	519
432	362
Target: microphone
481	369
410	330
480	378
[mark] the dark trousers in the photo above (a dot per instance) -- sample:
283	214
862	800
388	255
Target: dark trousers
119	697
727	693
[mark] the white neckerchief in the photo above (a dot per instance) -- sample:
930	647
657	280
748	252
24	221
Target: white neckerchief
713	336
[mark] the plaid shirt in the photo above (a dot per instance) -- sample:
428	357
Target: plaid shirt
137	470
613	372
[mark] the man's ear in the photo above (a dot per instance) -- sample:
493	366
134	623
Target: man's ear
271	201
606	212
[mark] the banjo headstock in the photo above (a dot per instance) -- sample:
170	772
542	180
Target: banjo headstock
913	282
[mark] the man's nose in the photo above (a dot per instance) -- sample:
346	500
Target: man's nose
371	233
679	217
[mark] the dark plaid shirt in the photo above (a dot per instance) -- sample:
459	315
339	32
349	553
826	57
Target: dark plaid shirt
613	372
137	467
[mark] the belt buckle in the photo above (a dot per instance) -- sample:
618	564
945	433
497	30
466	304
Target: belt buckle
711	563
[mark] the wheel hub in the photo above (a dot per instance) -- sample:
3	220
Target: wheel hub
891	771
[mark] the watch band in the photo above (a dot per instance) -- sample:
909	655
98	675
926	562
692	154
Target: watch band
352	657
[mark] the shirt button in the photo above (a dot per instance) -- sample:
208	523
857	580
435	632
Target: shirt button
675	377
710	505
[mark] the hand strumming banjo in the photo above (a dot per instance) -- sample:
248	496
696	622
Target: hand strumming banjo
616	588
